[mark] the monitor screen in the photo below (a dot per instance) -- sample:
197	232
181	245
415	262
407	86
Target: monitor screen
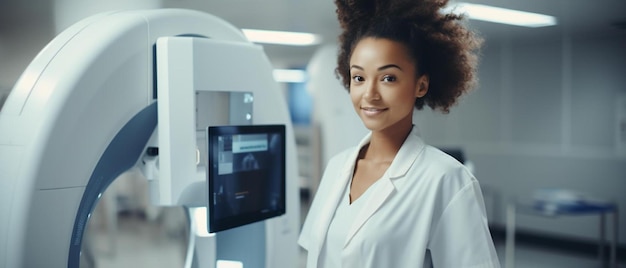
246	174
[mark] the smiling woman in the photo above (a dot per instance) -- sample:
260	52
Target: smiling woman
384	85
394	201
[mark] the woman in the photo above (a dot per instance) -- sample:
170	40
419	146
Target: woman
393	201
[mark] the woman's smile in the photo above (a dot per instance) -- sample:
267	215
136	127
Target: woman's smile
373	111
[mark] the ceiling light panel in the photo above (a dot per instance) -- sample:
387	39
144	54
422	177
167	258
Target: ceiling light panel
282	38
502	15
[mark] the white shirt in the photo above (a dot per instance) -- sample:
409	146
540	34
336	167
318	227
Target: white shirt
425	201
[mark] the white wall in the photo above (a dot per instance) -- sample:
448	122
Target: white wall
68	12
28	26
545	115
20	40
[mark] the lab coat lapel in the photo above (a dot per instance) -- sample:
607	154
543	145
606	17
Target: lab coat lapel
335	194
405	158
372	204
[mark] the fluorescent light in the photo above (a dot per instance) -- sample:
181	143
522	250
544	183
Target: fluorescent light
229	264
290	76
502	15
282	38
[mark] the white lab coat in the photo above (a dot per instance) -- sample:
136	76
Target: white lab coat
426	201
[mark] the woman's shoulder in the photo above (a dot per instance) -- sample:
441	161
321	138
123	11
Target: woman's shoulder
443	165
442	175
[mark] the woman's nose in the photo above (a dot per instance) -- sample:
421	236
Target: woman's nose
371	92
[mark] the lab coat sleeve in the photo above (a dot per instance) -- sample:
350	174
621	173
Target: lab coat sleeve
306	233
461	237
306	238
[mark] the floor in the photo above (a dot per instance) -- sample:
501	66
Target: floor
139	242
135	242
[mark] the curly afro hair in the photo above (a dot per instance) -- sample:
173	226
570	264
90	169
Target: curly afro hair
441	46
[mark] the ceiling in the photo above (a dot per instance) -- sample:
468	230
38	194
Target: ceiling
577	19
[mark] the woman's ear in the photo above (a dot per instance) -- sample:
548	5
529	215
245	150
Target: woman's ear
422	86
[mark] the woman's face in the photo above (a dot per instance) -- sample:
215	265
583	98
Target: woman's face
384	85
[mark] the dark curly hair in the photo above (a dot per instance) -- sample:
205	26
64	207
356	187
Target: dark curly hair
442	47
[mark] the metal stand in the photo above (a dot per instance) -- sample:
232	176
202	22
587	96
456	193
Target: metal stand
611	208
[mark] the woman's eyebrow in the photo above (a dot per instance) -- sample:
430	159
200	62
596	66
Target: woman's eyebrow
389	66
379	68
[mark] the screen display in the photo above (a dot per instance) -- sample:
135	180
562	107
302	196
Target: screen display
246	174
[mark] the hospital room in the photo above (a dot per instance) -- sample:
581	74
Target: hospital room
407	133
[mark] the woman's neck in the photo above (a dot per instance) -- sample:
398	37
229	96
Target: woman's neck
384	145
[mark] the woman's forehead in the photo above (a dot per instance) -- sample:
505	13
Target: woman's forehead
372	52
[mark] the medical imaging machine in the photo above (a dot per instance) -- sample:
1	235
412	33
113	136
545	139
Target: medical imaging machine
135	89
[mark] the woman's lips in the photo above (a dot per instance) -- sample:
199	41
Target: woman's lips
372	111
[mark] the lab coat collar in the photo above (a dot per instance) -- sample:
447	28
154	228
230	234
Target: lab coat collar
411	148
403	160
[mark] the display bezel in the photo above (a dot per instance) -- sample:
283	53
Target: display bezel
217	223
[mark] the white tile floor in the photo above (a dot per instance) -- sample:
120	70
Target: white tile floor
142	244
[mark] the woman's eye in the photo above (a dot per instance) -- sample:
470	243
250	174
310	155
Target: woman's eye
357	78
389	78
